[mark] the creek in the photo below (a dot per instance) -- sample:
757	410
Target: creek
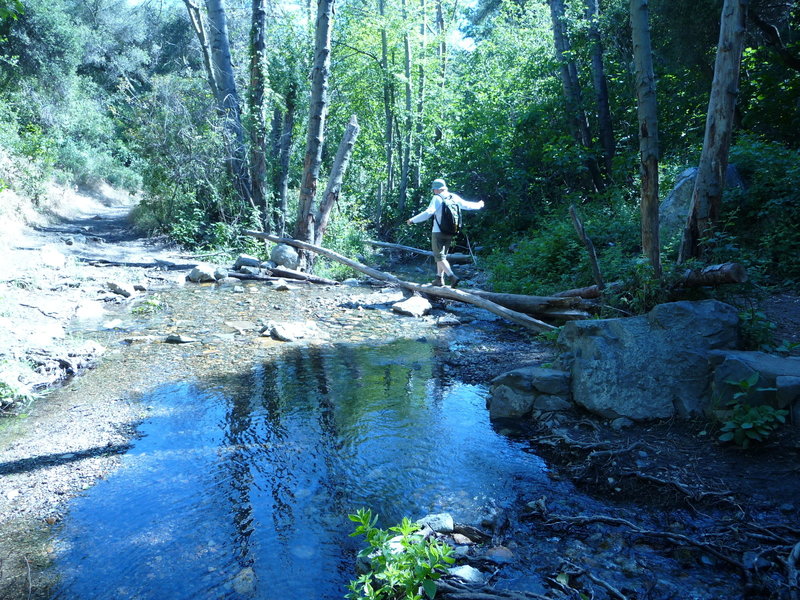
240	480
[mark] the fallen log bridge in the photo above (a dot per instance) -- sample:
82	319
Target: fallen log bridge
442	292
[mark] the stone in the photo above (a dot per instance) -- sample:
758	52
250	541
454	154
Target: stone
653	366
202	273
123	289
778	382
440	522
245	260
284	256
447	321
415	306
292	331
467	573
516	393
674	210
177	338
250	270
244	583
621	423
499	555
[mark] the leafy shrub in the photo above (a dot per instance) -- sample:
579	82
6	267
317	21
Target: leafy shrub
747	423
401	566
756	330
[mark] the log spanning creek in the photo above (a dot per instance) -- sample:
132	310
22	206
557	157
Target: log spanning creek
240	480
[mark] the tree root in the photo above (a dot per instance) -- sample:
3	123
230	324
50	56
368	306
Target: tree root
684	489
459	591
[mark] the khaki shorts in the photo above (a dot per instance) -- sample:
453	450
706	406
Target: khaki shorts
440	244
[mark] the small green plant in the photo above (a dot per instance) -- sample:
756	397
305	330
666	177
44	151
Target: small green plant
402	566
746	423
148	307
756	329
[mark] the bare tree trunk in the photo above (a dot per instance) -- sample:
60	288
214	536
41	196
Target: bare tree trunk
600	87
442	55
576	116
196	17
405	165
336	178
648	132
423	34
388	105
710	181
258	111
318	112
228	100
284	154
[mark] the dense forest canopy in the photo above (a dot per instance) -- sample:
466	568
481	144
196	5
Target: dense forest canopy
530	105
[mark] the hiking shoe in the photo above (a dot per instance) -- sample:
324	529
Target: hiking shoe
456	280
438	282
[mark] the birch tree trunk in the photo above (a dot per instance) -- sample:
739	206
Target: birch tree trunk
710	182
318	112
228	100
442	56
576	117
648	131
257	99
605	125
336	178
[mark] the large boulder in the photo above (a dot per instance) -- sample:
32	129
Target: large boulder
520	392
674	210
648	367
284	256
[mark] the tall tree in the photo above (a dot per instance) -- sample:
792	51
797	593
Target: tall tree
318	111
648	131
573	97
605	124
710	181
257	96
388	104
405	157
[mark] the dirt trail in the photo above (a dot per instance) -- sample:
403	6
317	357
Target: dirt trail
52	273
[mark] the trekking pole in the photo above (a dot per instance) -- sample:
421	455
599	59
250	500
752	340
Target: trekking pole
469	248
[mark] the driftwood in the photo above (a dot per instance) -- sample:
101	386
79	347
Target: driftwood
714	275
292	274
453	259
441	292
565	308
711	275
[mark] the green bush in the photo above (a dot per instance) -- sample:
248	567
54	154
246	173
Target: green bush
747	423
402	566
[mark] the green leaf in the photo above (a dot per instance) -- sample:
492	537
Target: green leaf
430	588
726	437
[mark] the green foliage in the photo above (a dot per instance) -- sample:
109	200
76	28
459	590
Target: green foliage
747	423
767	211
149	306
756	330
402	566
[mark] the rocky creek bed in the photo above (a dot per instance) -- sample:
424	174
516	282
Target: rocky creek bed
681	517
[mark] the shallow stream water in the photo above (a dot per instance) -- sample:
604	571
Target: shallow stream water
241	479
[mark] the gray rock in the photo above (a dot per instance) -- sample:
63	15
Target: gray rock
447	321
467	574
441	522
245	260
250	270
674	210
123	289
415	306
517	393
285	256
292	331
177	338
778	382
202	273
648	367
621	423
